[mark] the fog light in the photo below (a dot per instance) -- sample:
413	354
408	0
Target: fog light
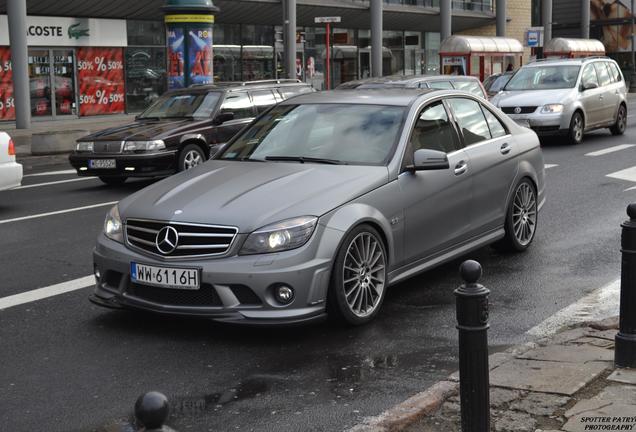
283	294
83	168
129	168
98	275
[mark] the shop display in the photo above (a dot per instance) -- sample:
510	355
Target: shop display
100	73
7	107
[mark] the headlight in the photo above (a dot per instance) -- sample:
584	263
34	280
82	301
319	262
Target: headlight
284	235
84	146
144	145
112	225
552	108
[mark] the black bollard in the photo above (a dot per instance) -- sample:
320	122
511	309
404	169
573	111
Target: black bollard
625	341
472	323
151	410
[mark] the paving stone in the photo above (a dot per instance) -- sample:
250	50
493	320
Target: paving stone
509	421
602	334
545	376
570	353
623	393
586	405
540	404
501	396
599	342
606	324
627	376
567	336
579	422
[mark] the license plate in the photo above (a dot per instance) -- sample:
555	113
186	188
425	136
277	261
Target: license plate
165	277
101	163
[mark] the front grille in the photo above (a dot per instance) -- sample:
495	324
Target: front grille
193	239
206	295
107	146
524	109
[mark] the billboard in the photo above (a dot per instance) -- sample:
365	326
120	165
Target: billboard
200	55
176	47
610	24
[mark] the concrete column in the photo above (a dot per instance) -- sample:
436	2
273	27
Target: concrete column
501	17
445	16
376	38
290	38
546	17
17	13
585	19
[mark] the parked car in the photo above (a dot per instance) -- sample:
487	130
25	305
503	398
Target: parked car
458	82
321	204
179	131
567	97
10	170
496	82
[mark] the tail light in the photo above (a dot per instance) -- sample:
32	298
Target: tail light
11	148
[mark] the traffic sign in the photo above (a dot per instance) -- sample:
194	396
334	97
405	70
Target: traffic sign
334	19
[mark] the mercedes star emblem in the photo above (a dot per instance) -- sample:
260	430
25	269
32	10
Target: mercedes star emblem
167	240
518	110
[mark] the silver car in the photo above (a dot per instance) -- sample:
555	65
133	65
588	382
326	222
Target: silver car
320	205
567	97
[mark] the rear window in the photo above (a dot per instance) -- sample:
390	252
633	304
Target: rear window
615	72
469	86
288	92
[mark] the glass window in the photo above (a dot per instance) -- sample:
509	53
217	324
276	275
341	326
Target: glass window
257	62
544	77
350	133
469	86
142	32
288	92
393	57
440	85
263	100
257	35
145	77
615	72
496	128
431	45
588	76
238	103
433	130
183	105
603	74
471	120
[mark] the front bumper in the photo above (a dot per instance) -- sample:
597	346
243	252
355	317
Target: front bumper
543	124
233	288
127	165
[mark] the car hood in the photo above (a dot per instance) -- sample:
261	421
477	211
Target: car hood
141	130
508	98
250	195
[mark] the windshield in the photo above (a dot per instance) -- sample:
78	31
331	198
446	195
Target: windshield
183	105
345	133
544	77
499	83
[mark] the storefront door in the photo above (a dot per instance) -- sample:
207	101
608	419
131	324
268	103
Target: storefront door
52	82
365	63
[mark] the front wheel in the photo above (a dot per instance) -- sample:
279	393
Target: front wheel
521	218
618	128
575	133
359	277
190	156
113	181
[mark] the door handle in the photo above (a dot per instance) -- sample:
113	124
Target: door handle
600	97
461	168
505	148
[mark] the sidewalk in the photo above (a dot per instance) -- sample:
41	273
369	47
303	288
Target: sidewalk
565	383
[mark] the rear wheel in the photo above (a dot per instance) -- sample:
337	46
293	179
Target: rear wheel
521	218
359	278
619	127
190	156
113	181
575	133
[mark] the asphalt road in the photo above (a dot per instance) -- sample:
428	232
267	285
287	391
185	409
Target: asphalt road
70	366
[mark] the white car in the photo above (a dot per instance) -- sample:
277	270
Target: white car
10	170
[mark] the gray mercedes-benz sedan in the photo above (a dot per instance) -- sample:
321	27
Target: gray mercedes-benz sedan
320	205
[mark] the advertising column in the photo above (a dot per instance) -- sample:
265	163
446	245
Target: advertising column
189	42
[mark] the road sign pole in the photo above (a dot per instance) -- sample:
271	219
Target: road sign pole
327	21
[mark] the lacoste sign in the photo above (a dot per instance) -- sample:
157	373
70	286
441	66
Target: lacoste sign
76	32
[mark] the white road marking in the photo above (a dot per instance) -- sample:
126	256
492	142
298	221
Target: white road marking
50	291
601	303
55	182
41	215
548	166
628	174
610	150
72	171
629	189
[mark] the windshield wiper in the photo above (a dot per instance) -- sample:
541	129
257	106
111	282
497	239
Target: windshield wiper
303	159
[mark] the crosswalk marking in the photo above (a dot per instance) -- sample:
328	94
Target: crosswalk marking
50	173
628	174
55	182
610	150
42	293
40	215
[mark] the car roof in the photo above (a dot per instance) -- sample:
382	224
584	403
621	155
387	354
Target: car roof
379	96
238	85
566	62
406	80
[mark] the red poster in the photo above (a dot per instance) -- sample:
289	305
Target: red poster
7	107
100	73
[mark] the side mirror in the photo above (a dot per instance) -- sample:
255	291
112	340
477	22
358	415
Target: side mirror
427	160
223	117
588	86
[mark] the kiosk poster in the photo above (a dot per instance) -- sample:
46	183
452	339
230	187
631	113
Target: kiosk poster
100	72
610	24
176	75
7	107
200	55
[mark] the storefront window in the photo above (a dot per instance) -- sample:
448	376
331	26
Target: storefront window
344	56
257	56
431	46
7	106
227	52
394	42
314	57
414	59
145	32
145	76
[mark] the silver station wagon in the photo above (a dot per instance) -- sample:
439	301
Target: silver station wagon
320	205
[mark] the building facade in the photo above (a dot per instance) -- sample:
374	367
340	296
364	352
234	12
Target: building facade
86	58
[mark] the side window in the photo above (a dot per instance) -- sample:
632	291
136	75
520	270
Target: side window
263	99
433	130
288	92
496	128
238	103
615	71
589	75
471	120
440	85
603	74
469	86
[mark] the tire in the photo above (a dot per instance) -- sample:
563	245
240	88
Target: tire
357	289
618	128
577	127
113	181
521	218
190	156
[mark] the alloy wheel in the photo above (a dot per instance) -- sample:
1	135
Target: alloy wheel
524	214
364	274
577	128
191	159
622	119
